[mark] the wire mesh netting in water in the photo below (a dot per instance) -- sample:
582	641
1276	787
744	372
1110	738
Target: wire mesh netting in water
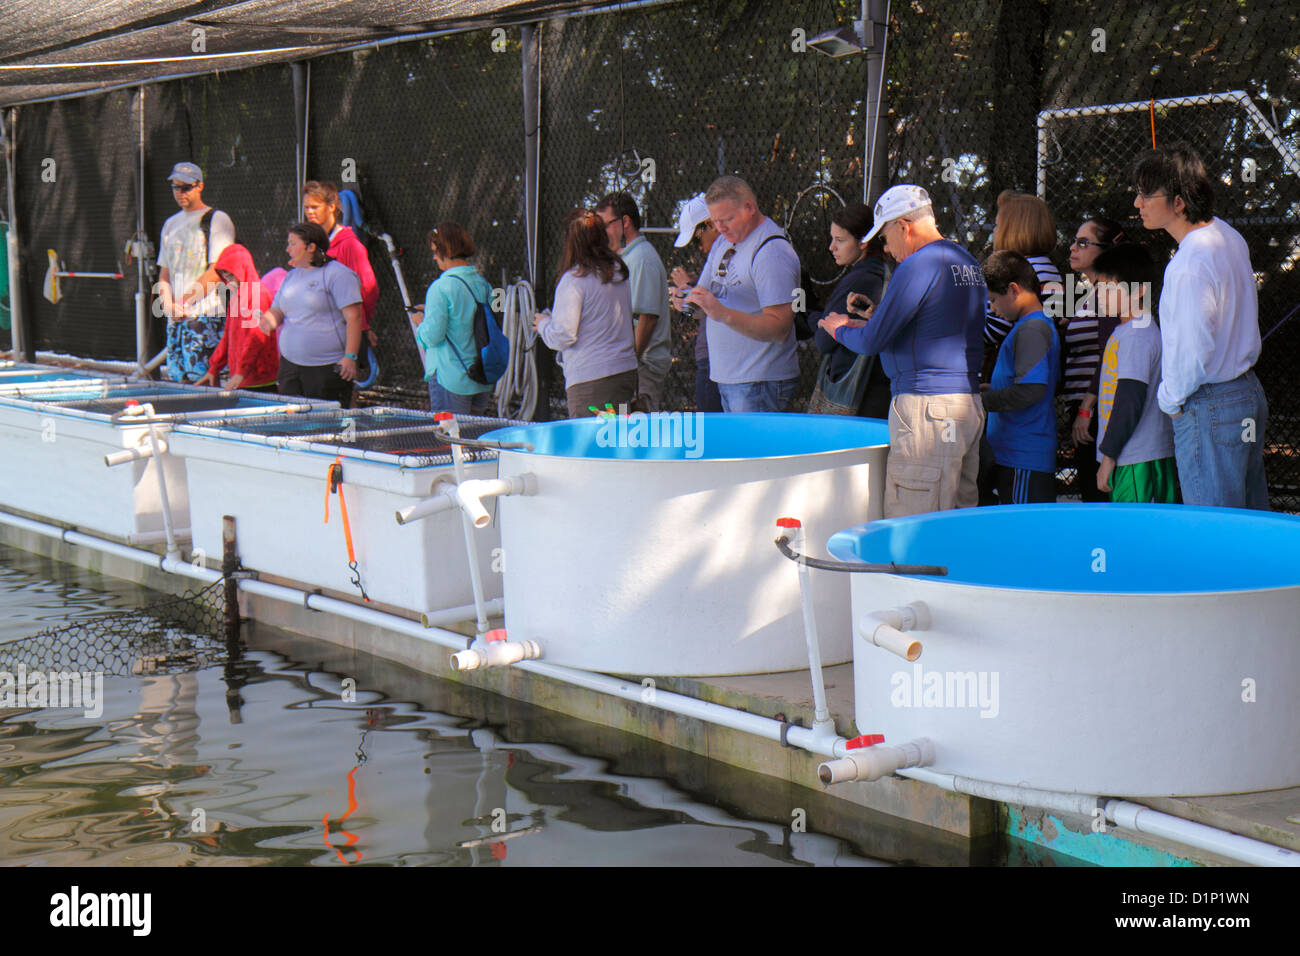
177	635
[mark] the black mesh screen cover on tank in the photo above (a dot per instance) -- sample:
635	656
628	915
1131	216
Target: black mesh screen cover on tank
389	431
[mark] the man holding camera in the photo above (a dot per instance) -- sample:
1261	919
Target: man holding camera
927	330
747	289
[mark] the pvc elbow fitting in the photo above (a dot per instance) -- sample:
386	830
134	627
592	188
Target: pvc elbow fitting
885	629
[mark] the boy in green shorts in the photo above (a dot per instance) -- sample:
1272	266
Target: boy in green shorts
1135	440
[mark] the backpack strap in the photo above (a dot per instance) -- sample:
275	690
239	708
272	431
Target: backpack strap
448	339
779	235
205	226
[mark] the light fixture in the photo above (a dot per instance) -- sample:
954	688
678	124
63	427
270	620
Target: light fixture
844	41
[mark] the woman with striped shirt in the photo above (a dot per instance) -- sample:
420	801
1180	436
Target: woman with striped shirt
1085	335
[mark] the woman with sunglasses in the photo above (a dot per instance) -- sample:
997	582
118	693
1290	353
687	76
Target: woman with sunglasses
591	325
318	312
252	355
1085	334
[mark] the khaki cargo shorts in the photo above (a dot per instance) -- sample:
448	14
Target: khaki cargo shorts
934	446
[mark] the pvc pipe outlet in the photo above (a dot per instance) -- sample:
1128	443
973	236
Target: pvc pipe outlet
495	654
885	628
138	453
872	763
473	492
444	497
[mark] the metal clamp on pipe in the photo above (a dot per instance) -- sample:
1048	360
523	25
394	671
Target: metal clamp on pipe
874	762
885	628
495	651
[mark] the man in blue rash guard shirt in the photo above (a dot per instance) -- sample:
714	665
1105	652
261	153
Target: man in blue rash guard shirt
928	332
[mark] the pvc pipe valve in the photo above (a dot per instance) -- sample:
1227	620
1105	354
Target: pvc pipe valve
874	762
495	654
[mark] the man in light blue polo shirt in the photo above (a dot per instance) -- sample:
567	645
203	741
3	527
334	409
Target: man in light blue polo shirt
649	283
747	289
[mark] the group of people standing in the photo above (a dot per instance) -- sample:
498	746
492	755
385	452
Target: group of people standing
296	332
1170	389
966	361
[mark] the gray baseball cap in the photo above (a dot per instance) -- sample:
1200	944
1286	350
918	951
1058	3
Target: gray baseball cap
185	173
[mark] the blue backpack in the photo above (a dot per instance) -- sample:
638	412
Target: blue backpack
493	346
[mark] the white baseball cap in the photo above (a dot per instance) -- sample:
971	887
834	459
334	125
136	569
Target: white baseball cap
694	213
894	202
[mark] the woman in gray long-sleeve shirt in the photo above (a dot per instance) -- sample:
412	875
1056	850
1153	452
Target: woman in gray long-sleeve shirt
591	325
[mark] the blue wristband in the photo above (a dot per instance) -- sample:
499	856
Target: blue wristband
350	355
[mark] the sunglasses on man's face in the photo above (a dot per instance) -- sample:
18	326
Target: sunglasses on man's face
183	187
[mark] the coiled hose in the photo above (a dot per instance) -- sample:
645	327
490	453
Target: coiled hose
517	390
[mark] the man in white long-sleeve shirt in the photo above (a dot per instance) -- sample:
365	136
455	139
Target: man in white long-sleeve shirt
1209	325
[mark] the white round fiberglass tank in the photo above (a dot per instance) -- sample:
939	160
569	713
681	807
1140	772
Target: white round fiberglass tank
1116	649
648	548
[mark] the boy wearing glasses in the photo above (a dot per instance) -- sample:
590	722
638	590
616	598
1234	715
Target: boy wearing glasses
1209	327
192	239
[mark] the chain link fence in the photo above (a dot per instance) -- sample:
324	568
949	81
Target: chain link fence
661	99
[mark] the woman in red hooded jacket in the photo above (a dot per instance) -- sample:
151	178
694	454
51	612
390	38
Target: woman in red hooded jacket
252	355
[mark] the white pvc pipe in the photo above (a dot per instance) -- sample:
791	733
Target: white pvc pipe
157	537
454	615
444	498
1132	816
137	453
472	493
872	763
495	654
885	629
471	546
1172	828
821	712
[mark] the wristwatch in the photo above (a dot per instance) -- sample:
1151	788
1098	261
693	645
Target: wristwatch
350	355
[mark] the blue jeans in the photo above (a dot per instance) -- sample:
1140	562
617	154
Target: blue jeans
707	398
1219	444
441	400
758	396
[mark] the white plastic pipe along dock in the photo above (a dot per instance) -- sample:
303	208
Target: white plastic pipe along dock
1122	813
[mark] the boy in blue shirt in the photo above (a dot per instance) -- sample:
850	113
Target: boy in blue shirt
1020	399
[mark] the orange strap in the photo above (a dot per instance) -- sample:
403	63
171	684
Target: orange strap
343	505
1153	122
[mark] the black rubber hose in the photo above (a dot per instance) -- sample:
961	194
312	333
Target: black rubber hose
783	545
441	435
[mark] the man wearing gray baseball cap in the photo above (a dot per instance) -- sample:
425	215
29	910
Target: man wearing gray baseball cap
191	241
927	329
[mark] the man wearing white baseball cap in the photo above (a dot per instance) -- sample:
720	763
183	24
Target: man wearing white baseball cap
927	329
694	225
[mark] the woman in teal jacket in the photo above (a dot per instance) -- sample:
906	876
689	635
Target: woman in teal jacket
447	328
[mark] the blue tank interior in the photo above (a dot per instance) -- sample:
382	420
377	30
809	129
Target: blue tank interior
678	436
1090	548
50	376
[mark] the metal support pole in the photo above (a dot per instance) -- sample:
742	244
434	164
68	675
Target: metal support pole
530	35
9	132
875	28
229	565
299	73
141	290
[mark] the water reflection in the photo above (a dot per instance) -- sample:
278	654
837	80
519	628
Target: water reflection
262	758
